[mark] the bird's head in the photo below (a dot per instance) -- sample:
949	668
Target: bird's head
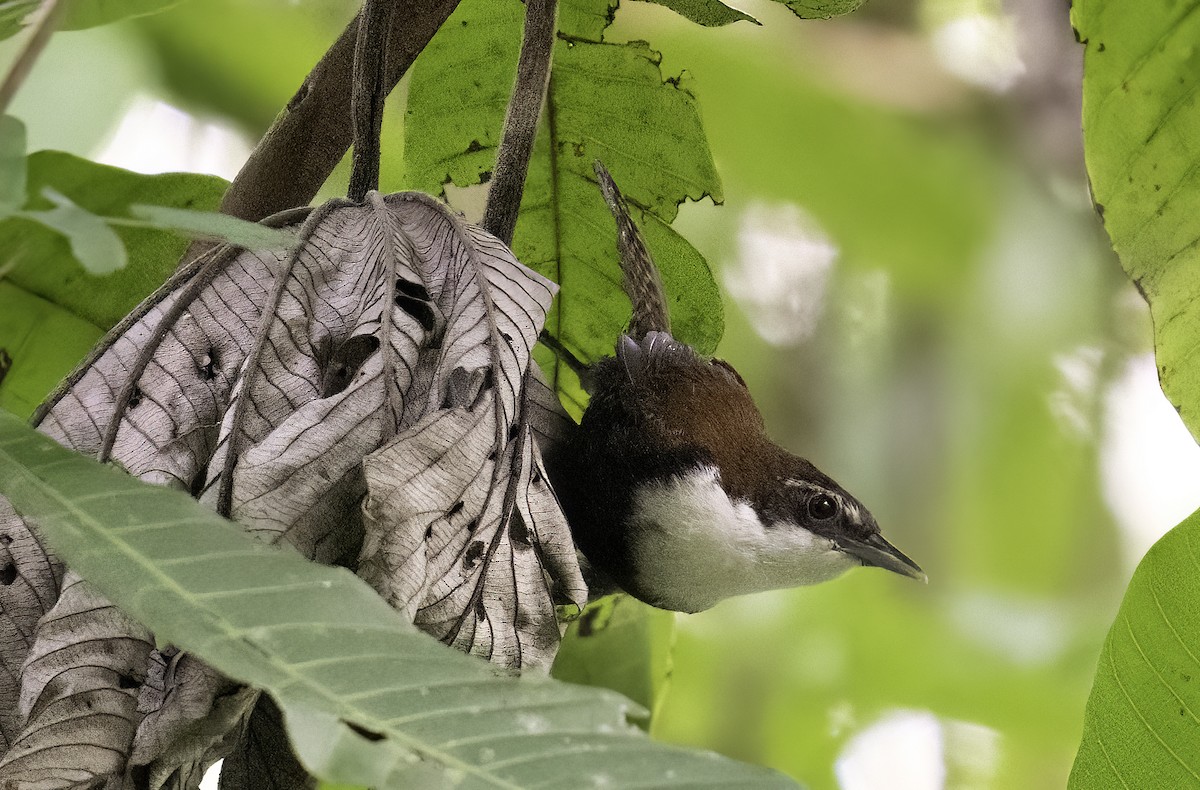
718	508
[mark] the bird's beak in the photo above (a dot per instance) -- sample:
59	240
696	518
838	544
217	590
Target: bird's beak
878	552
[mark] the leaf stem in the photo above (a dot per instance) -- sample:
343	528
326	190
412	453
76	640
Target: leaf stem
50	12
520	124
368	94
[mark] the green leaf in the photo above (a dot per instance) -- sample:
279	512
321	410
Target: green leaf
1140	725
12	165
79	13
95	245
1140	75
710	13
43	343
622	644
367	698
1141	70
45	290
822	9
605	101
215	226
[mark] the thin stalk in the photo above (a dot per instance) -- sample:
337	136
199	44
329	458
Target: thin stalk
368	94
520	124
50	12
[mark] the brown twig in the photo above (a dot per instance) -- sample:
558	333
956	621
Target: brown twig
520	124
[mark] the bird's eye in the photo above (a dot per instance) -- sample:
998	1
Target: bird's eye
822	507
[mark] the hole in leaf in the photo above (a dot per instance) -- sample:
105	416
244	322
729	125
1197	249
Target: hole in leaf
135	398
474	525
8	574
429	532
458	506
513	430
208	365
518	530
418	308
480	610
411	289
474	552
127	682
370	735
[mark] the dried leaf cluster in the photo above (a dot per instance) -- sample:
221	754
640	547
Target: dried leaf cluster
367	398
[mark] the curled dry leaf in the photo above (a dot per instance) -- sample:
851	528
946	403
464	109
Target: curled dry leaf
388	357
29	581
462	530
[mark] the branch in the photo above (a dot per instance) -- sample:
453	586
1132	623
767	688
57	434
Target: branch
520	124
311	135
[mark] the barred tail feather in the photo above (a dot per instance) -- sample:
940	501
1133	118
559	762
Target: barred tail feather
640	280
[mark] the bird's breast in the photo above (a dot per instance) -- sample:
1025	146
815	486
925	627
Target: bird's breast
692	545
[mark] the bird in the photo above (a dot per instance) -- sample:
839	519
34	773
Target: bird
672	488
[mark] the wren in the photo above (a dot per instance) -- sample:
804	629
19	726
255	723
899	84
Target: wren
671	486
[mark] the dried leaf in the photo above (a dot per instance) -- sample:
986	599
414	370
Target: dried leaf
29	581
260	382
188	730
79	693
463	533
264	759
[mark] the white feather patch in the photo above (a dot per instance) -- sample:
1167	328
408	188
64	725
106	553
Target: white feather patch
695	546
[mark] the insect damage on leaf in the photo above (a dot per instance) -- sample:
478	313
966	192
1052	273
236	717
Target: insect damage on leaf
366	397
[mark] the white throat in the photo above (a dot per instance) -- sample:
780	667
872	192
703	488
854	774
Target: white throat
697	546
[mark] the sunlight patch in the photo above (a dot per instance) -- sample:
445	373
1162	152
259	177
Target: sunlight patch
980	49
1073	401
1149	462
156	137
915	750
781	273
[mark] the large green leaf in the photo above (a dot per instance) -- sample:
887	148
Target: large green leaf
79	13
47	290
1143	714
1141	71
367	698
604	102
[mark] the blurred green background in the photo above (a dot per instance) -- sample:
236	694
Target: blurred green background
921	298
